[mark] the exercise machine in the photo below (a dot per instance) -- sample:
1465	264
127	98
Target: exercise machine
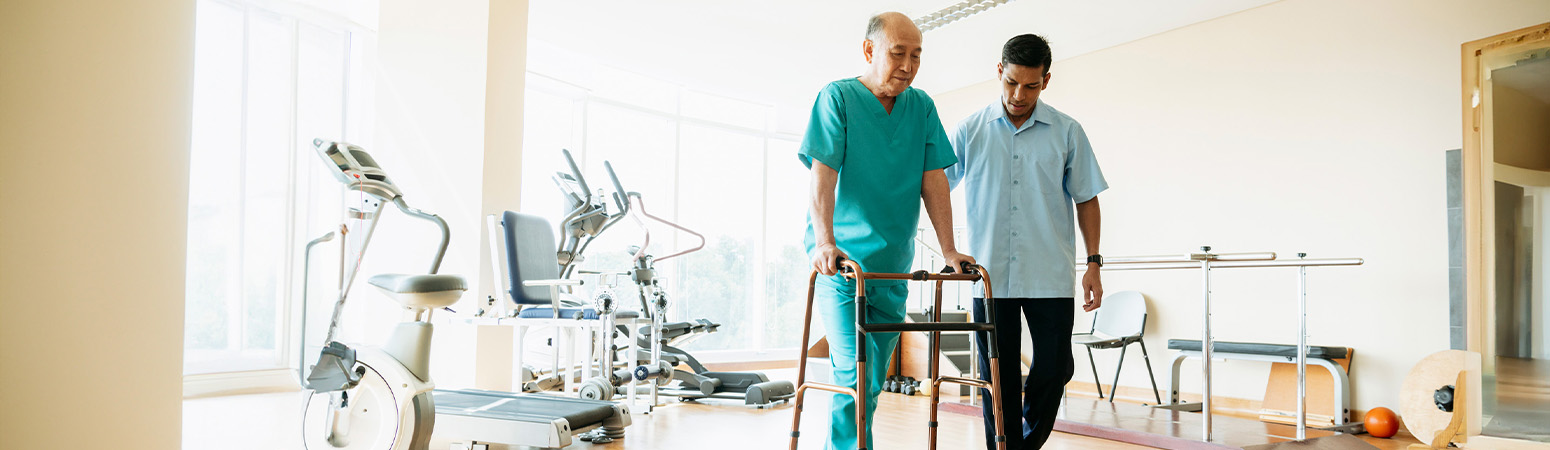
698	382
383	397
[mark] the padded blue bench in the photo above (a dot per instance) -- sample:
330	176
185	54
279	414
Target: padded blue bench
1250	351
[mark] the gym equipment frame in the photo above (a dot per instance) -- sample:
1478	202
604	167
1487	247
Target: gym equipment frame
852	270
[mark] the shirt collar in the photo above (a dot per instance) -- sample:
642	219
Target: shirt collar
1041	113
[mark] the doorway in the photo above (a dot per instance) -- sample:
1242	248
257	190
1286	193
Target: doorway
1507	210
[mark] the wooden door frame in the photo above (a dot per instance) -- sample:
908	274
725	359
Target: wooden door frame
1478	158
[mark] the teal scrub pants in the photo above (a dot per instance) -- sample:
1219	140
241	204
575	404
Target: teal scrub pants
885	304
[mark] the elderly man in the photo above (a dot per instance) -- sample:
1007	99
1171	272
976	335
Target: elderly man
876	149
1024	165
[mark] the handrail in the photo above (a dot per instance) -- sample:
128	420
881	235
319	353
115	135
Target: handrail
1205	261
1162	264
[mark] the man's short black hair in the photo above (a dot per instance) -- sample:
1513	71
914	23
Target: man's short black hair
1029	50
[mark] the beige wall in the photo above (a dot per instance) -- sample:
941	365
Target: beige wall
503	119
94	136
1302	126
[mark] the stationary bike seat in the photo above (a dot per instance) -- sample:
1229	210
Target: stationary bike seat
421	291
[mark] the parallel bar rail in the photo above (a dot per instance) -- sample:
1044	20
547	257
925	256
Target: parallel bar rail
1205	261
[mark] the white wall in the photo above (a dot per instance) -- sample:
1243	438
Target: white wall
95	105
1301	126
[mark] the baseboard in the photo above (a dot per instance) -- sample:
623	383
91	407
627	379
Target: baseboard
236	383
1229	406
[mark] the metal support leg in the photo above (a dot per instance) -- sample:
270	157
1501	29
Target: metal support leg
1148	359
1097	383
1115	387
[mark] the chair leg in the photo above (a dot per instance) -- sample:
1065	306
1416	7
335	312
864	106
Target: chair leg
1097	383
1117	367
1148	359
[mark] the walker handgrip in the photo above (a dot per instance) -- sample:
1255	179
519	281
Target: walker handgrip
839	261
968	268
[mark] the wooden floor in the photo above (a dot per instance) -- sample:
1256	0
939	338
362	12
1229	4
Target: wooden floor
272	421
1180	430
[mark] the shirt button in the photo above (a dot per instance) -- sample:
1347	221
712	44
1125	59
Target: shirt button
1014	181
1014	156
1014	208
1014	234
1014	258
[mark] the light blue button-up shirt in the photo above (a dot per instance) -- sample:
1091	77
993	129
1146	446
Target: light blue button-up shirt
1022	186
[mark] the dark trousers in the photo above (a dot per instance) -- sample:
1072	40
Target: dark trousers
1049	324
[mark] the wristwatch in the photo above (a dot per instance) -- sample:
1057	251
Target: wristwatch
1095	258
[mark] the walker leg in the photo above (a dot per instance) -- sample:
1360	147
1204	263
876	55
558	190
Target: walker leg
995	398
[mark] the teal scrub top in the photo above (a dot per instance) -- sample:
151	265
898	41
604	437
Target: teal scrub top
880	157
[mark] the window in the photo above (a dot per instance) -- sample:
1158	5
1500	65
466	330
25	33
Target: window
265	84
706	161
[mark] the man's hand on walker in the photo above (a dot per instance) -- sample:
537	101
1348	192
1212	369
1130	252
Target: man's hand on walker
826	258
957	260
1092	289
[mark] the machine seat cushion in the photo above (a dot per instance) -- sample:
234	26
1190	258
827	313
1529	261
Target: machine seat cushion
570	313
1289	351
418	284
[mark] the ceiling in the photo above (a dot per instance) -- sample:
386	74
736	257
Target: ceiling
781	52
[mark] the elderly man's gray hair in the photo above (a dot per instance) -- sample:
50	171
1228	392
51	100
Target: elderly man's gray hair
875	25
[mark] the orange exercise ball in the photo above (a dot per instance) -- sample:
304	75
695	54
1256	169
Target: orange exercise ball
1382	422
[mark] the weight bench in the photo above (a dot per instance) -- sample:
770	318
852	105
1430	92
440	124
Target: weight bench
1276	353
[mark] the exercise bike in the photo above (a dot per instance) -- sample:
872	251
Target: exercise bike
376	397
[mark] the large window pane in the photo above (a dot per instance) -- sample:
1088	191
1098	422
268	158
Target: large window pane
785	265
749	115
721	190
266	178
635	89
265	85
322	60
213	252
641	148
550	125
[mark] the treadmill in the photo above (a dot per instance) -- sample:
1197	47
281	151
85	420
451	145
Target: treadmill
535	420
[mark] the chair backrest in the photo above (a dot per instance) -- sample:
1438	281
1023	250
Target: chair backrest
1123	314
530	255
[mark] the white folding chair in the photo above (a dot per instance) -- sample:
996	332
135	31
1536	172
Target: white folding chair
1120	322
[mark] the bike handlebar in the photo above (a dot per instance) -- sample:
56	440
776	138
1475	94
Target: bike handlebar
580	180
619	193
